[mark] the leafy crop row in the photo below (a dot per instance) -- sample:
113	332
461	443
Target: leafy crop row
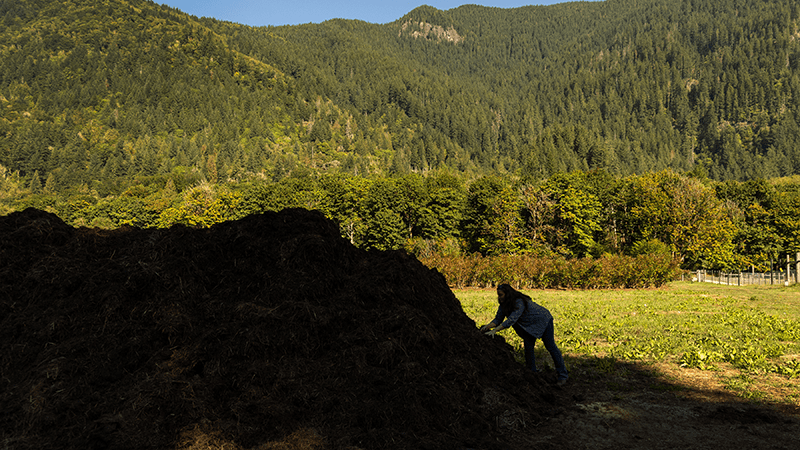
752	341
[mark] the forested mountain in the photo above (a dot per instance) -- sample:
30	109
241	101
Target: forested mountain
100	92
578	129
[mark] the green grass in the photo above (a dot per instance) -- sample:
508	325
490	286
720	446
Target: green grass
749	336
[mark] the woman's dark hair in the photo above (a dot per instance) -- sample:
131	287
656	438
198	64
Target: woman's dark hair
510	294
506	288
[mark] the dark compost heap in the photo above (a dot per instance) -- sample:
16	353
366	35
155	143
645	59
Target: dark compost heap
266	332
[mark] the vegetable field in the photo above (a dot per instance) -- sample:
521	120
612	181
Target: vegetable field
693	337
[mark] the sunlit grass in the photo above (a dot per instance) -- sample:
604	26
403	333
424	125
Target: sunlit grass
749	337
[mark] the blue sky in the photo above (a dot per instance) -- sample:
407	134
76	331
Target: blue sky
293	12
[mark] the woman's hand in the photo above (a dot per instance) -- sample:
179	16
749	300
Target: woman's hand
487	327
493	332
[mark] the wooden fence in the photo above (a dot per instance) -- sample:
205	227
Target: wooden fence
782	274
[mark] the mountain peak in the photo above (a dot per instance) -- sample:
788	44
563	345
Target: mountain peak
428	14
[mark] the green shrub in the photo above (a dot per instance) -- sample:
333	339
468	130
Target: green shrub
555	272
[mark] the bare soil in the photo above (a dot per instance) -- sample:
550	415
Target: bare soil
273	332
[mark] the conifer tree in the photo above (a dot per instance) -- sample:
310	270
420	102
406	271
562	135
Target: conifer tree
35	184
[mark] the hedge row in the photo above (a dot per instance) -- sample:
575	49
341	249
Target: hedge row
528	272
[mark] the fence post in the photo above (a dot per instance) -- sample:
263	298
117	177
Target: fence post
771	272
797	268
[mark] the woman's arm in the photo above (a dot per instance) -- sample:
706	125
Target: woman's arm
515	314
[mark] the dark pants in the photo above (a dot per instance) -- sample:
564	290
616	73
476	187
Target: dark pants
550	344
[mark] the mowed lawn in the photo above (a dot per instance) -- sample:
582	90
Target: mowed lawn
699	337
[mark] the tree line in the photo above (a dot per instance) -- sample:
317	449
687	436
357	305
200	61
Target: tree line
726	225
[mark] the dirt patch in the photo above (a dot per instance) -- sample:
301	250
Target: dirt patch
274	332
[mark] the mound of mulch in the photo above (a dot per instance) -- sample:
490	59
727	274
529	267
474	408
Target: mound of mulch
268	332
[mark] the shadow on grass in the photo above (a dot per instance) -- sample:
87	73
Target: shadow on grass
611	403
608	402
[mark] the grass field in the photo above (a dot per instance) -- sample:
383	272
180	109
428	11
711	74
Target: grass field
693	337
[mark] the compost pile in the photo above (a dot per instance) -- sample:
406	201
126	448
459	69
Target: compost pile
267	332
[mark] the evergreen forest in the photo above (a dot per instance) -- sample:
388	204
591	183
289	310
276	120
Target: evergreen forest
578	129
